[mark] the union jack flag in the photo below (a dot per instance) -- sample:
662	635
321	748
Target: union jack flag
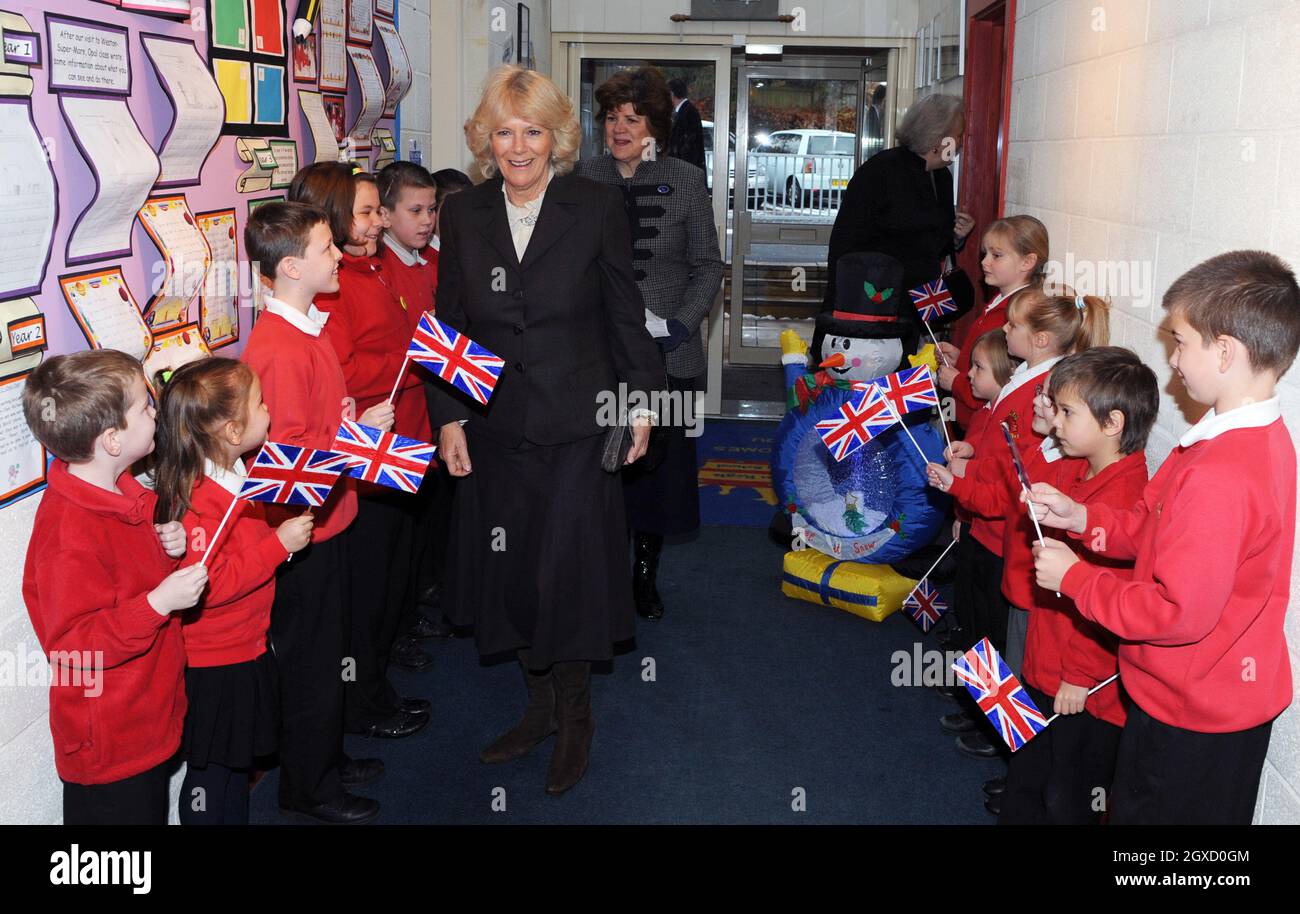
383	457
910	389
861	418
933	300
924	606
455	358
999	694
289	475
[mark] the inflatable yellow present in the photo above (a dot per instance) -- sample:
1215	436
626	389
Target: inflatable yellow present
870	591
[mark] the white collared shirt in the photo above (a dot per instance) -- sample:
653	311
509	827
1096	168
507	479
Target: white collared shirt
404	254
1252	415
1023	375
520	230
231	480
311	323
436	243
1003	296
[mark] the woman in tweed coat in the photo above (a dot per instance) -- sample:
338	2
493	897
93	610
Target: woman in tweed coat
678	270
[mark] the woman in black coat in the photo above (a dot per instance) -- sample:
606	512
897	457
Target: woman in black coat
536	266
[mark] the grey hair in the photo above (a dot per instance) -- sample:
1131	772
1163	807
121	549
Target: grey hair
929	121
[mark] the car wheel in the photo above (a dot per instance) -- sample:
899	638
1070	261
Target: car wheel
795	195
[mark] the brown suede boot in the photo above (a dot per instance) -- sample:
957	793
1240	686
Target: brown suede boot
573	696
539	719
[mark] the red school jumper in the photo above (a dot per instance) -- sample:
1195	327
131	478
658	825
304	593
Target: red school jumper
230	624
303	387
1212	536
92	560
370	332
414	276
964	400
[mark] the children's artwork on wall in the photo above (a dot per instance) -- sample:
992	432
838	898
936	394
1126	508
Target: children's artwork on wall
175	9
385	8
106	311
324	137
399	66
333	44
360	20
385	147
124	166
256	151
304	56
248	56
372	95
22	458
28	200
285	154
219	302
24	340
174	348
335	110
261	201
198	103
87	56
186	259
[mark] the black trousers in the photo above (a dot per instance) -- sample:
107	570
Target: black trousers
1166	775
138	800
214	795
964	590
380	545
310	629
430	509
1063	775
990	608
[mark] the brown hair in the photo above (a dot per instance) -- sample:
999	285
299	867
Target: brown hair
200	398
1111	378
645	90
1025	235
1075	322
278	230
332	188
397	177
1250	296
70	400
1000	362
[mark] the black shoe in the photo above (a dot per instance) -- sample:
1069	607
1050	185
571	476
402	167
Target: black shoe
993	805
974	744
407	655
348	809
357	771
427	628
416	706
645	565
573	741
400	725
540	718
956	722
995	787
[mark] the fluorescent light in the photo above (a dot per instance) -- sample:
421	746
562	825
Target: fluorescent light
764	49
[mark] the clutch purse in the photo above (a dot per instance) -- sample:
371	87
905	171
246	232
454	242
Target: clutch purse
618	441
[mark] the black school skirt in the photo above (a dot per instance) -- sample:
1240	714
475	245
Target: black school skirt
538	555
234	713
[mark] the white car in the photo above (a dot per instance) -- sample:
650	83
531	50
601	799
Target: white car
806	167
753	181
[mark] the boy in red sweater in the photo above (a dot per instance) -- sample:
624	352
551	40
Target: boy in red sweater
1202	651
102	593
303	387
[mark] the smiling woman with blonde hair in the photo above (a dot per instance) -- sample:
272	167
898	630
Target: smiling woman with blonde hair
536	265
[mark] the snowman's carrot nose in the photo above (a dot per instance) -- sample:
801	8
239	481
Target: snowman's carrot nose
835	361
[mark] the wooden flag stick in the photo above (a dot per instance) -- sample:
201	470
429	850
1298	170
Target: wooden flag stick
1090	691
216	536
401	374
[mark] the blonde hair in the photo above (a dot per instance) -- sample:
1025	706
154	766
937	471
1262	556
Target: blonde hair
1075	322
1025	235
513	91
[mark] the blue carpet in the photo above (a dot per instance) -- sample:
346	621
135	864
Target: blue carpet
753	695
735	474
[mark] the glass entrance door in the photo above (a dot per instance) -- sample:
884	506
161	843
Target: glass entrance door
801	133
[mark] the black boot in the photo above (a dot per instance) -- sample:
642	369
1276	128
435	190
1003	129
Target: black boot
645	565
539	719
573	695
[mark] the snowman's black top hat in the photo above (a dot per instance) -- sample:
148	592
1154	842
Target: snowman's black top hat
869	296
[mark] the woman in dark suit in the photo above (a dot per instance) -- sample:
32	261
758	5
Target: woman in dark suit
536	266
678	270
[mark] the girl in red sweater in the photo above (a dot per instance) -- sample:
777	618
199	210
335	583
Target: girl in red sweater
211	413
1014	256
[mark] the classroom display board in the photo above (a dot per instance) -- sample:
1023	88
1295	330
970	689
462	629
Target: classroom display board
135	138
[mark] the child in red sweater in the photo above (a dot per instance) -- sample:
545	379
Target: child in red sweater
370	332
212	413
303	385
102	593
1202	650
1015	256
